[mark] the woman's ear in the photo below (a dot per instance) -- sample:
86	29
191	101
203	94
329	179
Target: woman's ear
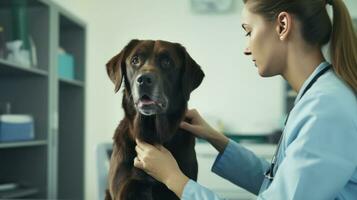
284	24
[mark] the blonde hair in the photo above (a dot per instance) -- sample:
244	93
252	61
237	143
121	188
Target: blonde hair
318	30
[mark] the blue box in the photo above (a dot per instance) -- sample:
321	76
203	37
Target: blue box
16	128
65	66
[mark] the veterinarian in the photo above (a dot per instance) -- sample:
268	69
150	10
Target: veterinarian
316	157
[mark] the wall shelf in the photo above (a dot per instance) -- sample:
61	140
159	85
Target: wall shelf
68	82
12	69
4	145
19	193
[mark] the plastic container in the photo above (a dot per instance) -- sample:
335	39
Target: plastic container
16	128
65	66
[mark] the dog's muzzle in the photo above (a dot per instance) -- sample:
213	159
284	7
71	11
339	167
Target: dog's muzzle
149	98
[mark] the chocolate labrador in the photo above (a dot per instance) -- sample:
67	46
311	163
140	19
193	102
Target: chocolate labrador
158	77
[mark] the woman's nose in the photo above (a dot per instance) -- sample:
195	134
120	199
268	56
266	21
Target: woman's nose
247	52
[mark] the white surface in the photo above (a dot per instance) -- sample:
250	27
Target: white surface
206	156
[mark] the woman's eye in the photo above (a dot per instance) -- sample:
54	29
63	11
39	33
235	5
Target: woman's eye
248	34
135	60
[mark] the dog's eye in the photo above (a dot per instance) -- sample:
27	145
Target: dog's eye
165	62
135	60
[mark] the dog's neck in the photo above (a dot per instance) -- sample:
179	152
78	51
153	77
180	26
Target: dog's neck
153	129
156	129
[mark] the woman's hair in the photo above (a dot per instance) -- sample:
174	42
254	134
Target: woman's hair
317	29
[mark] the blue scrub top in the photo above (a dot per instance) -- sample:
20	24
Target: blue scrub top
318	155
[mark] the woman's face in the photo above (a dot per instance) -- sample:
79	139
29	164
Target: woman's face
263	43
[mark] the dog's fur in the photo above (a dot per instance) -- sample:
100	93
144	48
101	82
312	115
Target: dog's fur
173	75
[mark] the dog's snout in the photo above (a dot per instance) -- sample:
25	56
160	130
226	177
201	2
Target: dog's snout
146	79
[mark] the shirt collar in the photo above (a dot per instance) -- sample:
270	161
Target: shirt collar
308	80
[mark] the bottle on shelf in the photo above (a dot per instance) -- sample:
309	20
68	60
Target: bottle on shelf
2	42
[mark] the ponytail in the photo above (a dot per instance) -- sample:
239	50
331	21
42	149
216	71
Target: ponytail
343	46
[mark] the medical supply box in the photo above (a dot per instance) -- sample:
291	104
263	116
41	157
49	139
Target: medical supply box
16	127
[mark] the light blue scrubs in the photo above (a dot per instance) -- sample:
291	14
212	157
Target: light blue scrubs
317	158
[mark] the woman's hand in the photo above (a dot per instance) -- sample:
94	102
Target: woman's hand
159	163
200	128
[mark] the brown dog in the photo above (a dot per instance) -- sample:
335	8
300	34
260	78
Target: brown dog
158	77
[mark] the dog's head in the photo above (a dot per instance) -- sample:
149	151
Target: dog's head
159	75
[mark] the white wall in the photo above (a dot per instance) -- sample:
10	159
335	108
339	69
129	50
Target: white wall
232	89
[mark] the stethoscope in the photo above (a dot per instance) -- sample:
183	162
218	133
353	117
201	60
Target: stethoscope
269	174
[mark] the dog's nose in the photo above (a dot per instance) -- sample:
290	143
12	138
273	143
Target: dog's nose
146	79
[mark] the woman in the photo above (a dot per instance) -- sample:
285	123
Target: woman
316	158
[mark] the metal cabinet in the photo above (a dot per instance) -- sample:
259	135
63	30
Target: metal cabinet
52	165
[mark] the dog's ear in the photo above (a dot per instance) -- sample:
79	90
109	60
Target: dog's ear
116	64
192	75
